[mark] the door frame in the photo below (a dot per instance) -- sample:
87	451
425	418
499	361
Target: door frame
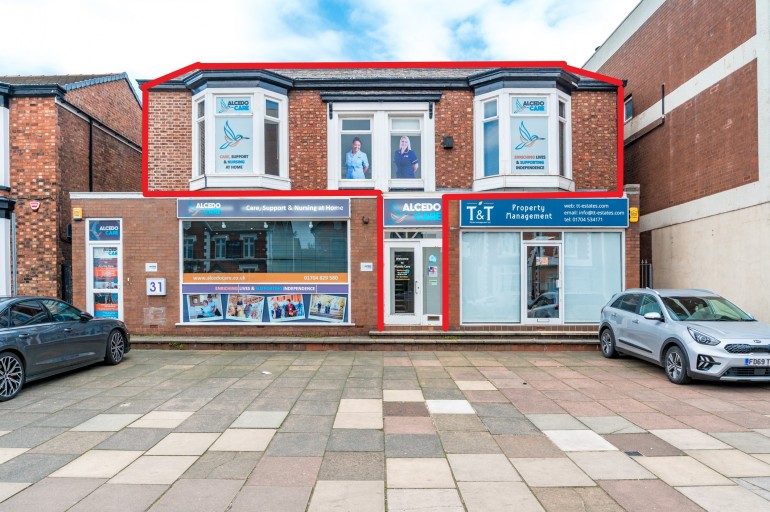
525	245
416	245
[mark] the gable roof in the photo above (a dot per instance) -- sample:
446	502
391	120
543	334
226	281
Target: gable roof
33	83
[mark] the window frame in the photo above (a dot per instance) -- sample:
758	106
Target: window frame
204	174
380	155
559	173
628	113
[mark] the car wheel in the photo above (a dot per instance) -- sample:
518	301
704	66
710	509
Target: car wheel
607	343
116	347
11	375
676	366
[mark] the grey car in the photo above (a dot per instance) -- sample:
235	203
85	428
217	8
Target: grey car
42	336
691	333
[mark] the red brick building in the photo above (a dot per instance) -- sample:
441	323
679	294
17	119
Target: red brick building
316	201
59	134
696	131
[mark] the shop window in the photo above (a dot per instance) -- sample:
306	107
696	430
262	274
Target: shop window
523	140
381	146
628	109
240	139
593	272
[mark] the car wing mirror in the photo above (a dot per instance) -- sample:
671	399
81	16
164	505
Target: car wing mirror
653	316
85	316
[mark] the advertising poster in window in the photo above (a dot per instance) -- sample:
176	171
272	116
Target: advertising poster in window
529	143
265	261
234	144
105	277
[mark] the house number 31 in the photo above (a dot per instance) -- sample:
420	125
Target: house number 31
156	286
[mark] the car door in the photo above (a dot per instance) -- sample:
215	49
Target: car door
650	334
31	326
625	318
83	340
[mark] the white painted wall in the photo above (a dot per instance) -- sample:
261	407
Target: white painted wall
727	253
5	224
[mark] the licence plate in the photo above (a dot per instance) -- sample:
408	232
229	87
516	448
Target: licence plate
756	361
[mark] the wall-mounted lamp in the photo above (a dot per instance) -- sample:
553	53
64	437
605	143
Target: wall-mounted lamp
365	220
447	142
310	224
265	225
224	226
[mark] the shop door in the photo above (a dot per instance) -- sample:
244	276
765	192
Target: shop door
413	282
542	283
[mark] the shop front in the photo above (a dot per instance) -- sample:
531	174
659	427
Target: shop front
264	261
412	260
540	261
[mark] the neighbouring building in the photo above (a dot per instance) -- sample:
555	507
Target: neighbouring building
697	126
341	200
59	134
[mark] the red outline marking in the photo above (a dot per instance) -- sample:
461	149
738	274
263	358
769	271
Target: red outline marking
377	194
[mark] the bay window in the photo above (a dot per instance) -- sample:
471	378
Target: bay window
240	139
523	140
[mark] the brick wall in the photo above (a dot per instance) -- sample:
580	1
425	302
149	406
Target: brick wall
170	140
308	166
158	242
594	140
678	41
113	104
706	146
454	117
34	135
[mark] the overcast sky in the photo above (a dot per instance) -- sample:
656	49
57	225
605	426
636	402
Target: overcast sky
148	39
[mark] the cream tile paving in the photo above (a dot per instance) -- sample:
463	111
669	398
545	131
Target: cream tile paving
7	454
449	407
402	395
725	498
610	425
498	496
555	422
368	496
184	444
243	440
482	468
764	457
98	464
475	385
557	472
731	463
610	466
8	489
360	420
148	470
358	405
161	419
107	423
579	440
427	473
3	432
424	500
690	439
260	419
682	471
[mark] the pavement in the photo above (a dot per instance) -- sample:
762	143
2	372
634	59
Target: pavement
372	431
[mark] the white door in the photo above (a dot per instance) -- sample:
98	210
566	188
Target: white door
413	282
542	280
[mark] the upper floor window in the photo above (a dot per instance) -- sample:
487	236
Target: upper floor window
387	146
523	140
628	109
240	139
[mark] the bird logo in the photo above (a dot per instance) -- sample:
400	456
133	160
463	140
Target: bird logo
519	107
231	139
527	139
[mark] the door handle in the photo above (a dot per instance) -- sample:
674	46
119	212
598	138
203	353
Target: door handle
67	330
23	335
417	286
635	321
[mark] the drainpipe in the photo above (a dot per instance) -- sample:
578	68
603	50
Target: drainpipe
90	154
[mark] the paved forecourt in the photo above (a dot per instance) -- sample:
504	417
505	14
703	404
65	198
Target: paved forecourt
372	431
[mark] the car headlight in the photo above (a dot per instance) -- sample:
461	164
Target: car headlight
703	339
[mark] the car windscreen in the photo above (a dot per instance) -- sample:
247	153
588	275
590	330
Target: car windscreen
704	309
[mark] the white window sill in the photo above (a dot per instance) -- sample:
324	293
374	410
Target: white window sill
526	182
238	181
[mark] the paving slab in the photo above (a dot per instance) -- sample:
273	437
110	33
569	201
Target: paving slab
725	498
576	499
348	495
731	463
243	440
97	464
350	466
551	472
682	471
272	499
482	468
286	472
419	473
498	496
424	500
224	465
193	495
52	494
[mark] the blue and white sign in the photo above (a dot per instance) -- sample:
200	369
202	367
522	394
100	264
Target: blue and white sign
545	213
409	212
289	208
105	230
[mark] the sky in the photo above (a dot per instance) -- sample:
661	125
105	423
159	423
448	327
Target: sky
151	38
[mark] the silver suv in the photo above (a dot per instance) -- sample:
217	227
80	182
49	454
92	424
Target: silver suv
691	333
